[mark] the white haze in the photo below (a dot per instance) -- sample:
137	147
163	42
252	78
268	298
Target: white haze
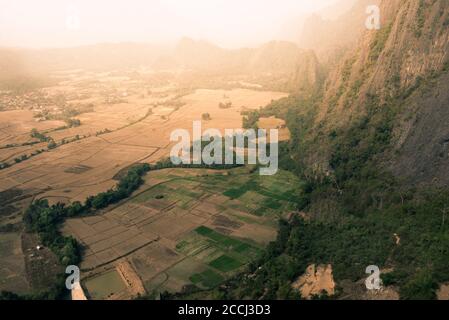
229	23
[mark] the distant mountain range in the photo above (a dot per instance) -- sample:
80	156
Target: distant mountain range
279	59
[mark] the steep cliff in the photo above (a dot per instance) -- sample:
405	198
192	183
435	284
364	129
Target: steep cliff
402	69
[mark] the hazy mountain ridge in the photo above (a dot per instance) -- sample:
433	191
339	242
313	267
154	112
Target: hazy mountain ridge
276	59
327	36
93	57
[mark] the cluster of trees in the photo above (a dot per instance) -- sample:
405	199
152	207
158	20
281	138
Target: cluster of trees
99	133
355	152
42	138
226	105
124	188
38	135
167	163
71	112
14	145
250	119
206	117
21	158
71	123
45	220
51	144
75	138
284	108
4	165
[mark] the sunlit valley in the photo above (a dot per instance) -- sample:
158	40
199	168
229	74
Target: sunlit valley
362	116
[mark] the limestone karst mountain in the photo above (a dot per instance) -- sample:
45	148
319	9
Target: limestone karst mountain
402	65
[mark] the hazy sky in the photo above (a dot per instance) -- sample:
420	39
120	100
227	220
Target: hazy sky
230	23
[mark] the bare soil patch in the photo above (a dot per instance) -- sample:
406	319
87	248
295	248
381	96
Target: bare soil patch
443	292
316	281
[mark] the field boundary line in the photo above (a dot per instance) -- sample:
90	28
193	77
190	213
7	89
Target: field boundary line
122	256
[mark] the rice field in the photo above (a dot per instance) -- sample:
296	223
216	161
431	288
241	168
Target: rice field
186	230
168	208
104	286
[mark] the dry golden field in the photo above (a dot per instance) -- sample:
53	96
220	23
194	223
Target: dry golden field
128	142
135	127
275	123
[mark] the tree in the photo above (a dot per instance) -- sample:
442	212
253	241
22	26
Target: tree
73	123
37	135
206	117
52	144
226	105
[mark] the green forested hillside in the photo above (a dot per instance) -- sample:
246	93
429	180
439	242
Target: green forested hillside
348	136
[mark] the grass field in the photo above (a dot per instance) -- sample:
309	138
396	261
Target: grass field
225	263
208	278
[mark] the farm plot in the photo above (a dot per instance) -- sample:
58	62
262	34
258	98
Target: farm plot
194	236
264	196
16	126
147	140
105	285
275	123
210	257
74	171
78	169
106	239
12	269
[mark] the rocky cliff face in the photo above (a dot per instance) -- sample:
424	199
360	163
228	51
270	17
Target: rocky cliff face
402	66
393	58
423	142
